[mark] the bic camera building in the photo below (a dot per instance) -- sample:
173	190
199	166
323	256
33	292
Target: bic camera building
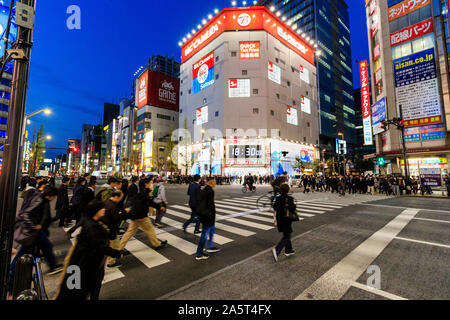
248	96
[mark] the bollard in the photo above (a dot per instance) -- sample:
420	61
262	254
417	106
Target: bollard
28	294
23	274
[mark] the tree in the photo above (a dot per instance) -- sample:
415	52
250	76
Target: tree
363	165
330	164
317	166
299	164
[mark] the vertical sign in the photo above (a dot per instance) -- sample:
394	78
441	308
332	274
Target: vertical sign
365	102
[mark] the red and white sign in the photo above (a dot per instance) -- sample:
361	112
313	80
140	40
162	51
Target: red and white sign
304	74
239	88
250	50
378	76
406	7
158	90
274	73
255	18
365	102
206	63
410	33
372	6
374	27
202	115
292	116
306	105
376	51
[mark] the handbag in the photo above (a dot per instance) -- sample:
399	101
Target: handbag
291	215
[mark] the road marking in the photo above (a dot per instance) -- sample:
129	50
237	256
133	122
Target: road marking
309	210
112	274
241	203
432	220
306	215
180	244
376	291
238	231
326	205
335	282
179	225
246	223
145	254
400	207
423	242
233	207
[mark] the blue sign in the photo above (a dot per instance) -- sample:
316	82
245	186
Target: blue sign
415	68
378	114
433	132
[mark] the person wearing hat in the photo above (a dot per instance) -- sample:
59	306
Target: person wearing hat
88	256
160	199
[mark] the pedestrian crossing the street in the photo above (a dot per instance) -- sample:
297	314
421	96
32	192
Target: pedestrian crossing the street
235	218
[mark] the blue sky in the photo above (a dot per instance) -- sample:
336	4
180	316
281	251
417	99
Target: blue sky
74	72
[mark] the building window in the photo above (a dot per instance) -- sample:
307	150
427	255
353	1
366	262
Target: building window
304	139
181	110
244	72
278	96
190	91
276	60
288	83
181	93
293	69
293	102
307	93
217	76
255	91
217	58
308	124
255	110
233	53
162	116
181	80
217	113
204	100
272	113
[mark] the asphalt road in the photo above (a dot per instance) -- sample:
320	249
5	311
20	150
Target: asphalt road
339	239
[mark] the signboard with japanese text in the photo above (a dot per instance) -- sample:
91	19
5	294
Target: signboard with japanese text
202	115
203	73
376	52
239	88
372	6
305	104
378	76
406	7
292	116
378	114
274	73
430	177
433	132
365	102
375	25
255	18
412	134
250	50
413	32
416	88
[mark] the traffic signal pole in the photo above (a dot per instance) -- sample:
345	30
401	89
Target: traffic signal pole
12	154
404	143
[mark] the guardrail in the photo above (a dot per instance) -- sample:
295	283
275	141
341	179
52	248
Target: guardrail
28	279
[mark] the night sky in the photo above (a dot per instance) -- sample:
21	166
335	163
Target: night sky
74	72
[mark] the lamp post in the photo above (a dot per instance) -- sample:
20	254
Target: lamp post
36	151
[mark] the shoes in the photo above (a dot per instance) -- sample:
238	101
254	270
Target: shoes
114	265
163	244
202	257
213	249
289	254
56	269
197	232
184	228
158	225
275	255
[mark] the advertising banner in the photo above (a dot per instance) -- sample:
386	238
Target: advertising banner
376	52
203	73
239	88
365	102
292	116
274	73
410	33
416	88
305	104
433	132
148	140
158	90
372	6
143	90
202	115
430	177
406	7
378	114
250	50
304	74
236	19
412	134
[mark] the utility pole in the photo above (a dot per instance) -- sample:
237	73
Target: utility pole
402	127
13	145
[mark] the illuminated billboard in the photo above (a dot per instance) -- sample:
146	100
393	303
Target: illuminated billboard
306	105
304	74
292	117
202	115
158	90
239	88
274	73
250	50
203	73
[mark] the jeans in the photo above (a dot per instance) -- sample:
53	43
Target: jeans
285	242
193	219
201	245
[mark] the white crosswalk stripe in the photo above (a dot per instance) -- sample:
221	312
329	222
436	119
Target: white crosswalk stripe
145	254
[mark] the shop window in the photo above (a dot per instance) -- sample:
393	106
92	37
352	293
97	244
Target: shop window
406	49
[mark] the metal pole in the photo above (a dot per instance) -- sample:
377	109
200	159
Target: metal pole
13	152
404	144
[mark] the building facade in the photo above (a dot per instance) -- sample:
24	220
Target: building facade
249	101
408	43
327	22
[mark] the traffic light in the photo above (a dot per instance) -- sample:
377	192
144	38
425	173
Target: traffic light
75	149
380	161
399	122
384	125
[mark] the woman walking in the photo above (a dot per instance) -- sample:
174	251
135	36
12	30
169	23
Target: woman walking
283	203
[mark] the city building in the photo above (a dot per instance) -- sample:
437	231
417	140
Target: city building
249	100
110	112
409	65
360	149
86	148
73	156
327	22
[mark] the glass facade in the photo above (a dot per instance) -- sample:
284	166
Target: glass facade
327	21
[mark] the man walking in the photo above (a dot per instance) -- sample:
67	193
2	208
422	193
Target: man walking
62	203
140	219
207	213
194	191
160	199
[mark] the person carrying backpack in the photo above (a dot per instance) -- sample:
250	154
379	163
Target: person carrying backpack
107	189
283	205
159	194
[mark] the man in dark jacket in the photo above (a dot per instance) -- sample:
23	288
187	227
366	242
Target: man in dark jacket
282	203
194	198
87	196
62	203
140	219
132	192
206	211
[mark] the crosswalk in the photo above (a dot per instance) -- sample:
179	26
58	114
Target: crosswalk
235	218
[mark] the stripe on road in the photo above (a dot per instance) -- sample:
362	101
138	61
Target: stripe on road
336	281
246	223
423	242
378	292
145	254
